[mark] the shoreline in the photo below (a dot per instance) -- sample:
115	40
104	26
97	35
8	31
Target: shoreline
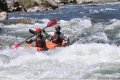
7	21
36	6
43	8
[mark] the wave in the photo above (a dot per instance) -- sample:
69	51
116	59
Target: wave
85	61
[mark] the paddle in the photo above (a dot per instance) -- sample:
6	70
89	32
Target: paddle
32	31
50	24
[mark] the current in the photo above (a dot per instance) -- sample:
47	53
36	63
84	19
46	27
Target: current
93	54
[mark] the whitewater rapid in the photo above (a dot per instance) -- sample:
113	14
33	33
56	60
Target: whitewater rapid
83	61
93	54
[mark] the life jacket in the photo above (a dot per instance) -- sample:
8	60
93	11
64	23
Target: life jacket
57	38
38	43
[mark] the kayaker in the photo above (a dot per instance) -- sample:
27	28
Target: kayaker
40	40
59	37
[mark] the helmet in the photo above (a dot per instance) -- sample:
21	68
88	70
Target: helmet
37	30
57	27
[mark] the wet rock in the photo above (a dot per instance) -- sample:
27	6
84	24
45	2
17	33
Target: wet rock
3	15
19	21
3	5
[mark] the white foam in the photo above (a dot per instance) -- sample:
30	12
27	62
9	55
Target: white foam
75	62
61	62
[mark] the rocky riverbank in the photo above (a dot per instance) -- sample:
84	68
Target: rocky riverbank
39	5
4	16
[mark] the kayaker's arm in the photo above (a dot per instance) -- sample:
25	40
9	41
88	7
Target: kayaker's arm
30	41
46	35
66	41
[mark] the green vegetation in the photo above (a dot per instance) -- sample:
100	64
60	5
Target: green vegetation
26	2
30	2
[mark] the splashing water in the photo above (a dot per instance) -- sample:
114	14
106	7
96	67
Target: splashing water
93	53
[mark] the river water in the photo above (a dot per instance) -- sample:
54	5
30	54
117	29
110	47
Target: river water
94	33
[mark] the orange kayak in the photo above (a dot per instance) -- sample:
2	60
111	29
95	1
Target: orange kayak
33	47
49	45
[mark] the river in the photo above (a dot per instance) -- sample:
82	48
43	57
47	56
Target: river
94	33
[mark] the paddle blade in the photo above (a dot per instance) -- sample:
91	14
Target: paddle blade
15	45
52	23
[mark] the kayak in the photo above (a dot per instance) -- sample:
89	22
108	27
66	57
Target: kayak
30	46
49	45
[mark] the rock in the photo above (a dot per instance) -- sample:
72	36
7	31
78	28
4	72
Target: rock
36	9
19	21
3	5
3	15
53	3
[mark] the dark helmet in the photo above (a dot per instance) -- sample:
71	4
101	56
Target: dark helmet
57	27
37	30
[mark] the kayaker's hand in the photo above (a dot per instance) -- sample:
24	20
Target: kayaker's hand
64	44
44	31
28	42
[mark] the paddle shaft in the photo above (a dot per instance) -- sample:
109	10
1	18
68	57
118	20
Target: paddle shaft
44	28
30	37
51	23
26	39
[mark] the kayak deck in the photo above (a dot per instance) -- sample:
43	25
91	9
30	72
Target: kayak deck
49	45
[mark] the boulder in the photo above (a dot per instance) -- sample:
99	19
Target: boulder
53	3
3	15
3	5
